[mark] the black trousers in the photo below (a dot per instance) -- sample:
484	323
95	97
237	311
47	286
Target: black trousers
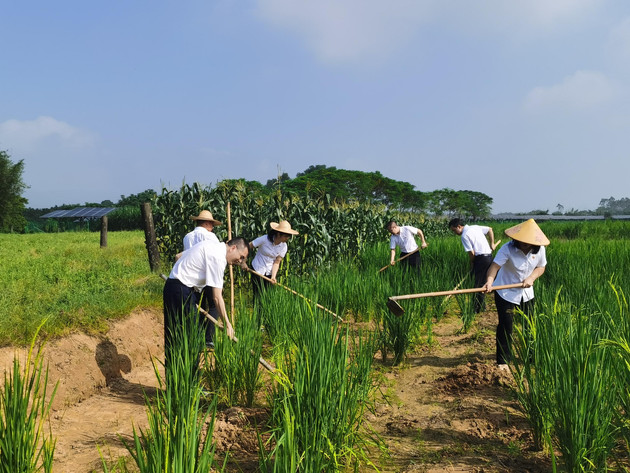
505	327
412	262
258	285
207	304
178	300
481	263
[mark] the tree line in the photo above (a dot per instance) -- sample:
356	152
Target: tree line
316	182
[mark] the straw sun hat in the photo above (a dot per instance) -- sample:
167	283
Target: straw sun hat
283	227
528	232
206	216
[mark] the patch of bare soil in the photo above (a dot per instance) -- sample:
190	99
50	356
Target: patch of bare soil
446	409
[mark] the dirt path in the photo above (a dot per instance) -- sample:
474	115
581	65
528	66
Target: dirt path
447	410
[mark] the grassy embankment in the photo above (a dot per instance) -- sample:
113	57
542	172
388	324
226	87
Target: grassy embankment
69	279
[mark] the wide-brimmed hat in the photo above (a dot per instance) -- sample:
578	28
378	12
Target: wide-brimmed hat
528	232
283	227
206	216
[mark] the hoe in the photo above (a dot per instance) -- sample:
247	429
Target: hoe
395	308
294	292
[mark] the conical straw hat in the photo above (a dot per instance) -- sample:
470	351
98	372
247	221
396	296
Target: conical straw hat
283	227
528	232
205	215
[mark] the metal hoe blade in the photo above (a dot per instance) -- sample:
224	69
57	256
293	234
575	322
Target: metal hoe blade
394	307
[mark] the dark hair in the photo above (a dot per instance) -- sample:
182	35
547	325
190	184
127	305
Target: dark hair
534	248
456	222
389	224
239	242
272	234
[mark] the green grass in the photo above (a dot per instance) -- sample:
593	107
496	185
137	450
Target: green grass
69	280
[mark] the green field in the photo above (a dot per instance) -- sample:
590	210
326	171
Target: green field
69	280
572	369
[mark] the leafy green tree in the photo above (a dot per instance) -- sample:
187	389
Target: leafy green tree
365	187
12	204
135	200
614	206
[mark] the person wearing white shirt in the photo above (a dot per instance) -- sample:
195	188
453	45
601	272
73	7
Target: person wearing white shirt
270	250
521	260
405	238
475	241
203	230
203	265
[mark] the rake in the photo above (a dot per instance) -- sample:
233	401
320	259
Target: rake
396	309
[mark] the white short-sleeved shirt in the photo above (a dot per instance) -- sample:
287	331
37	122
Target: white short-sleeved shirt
197	235
474	239
266	254
202	265
405	239
515	267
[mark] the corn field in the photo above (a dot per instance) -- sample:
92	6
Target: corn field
328	230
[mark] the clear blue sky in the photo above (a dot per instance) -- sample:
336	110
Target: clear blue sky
526	101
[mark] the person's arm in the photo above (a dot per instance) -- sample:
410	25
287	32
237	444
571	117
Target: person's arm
393	257
274	268
217	295
492	274
536	273
424	242
471	256
490	235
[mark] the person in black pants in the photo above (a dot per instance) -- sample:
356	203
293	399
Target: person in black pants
479	249
203	265
521	260
405	238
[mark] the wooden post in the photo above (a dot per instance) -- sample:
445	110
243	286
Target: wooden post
229	222
104	231
150	240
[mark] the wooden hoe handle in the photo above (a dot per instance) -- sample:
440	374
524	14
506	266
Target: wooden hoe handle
218	324
294	292
399	259
453	292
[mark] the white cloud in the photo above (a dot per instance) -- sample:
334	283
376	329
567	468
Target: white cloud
348	30
30	135
351	30
537	13
582	90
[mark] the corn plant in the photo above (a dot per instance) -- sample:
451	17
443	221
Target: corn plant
25	447
176	440
328	230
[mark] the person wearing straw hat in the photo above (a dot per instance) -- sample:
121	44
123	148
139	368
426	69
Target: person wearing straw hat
405	238
270	250
475	241
203	229
521	260
201	266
